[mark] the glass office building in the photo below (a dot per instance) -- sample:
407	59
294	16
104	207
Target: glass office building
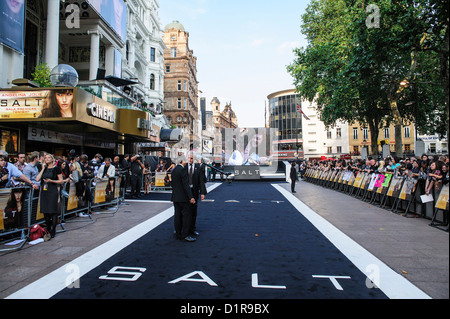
285	117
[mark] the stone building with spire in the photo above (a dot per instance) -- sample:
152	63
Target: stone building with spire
225	118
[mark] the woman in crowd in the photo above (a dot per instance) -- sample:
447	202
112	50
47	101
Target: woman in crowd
4	173
415	171
432	179
161	167
445	173
147	178
50	177
394	165
65	171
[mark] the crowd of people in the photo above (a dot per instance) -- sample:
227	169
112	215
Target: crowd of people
431	172
46	174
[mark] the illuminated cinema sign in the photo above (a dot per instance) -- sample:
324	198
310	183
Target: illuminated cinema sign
100	112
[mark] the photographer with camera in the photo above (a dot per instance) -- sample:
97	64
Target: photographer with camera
95	163
136	170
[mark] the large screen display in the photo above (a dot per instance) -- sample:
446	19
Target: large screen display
12	17
114	12
249	146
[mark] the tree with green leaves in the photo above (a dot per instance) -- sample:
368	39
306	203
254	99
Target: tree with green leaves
41	75
334	73
366	63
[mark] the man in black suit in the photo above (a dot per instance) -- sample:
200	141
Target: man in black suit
181	198
197	184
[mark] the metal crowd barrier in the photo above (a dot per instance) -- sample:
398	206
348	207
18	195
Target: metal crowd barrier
386	190
159	181
222	173
106	192
17	219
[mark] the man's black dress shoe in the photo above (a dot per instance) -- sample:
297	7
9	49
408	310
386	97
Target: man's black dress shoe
190	239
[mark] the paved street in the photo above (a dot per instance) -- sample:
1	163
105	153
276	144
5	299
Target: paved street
257	241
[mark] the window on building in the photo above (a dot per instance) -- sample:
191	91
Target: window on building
365	133
407	133
152	81
386	132
329	149
185	104
152	54
328	134
127	51
407	148
355	133
184	86
167	68
432	148
179	103
339	149
338	132
179	85
173	52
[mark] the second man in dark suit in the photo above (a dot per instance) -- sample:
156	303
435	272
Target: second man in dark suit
182	197
197	180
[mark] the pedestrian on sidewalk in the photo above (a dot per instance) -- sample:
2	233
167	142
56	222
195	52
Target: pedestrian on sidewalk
293	176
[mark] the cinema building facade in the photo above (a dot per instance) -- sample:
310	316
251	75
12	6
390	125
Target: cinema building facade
118	53
96	126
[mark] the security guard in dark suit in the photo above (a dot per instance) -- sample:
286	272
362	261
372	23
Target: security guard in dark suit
293	175
181	198
197	181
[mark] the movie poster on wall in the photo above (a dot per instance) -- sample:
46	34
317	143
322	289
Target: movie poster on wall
37	104
12	17
9	141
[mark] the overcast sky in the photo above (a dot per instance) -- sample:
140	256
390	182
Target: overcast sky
242	48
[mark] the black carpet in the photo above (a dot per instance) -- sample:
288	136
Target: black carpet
165	196
255	236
